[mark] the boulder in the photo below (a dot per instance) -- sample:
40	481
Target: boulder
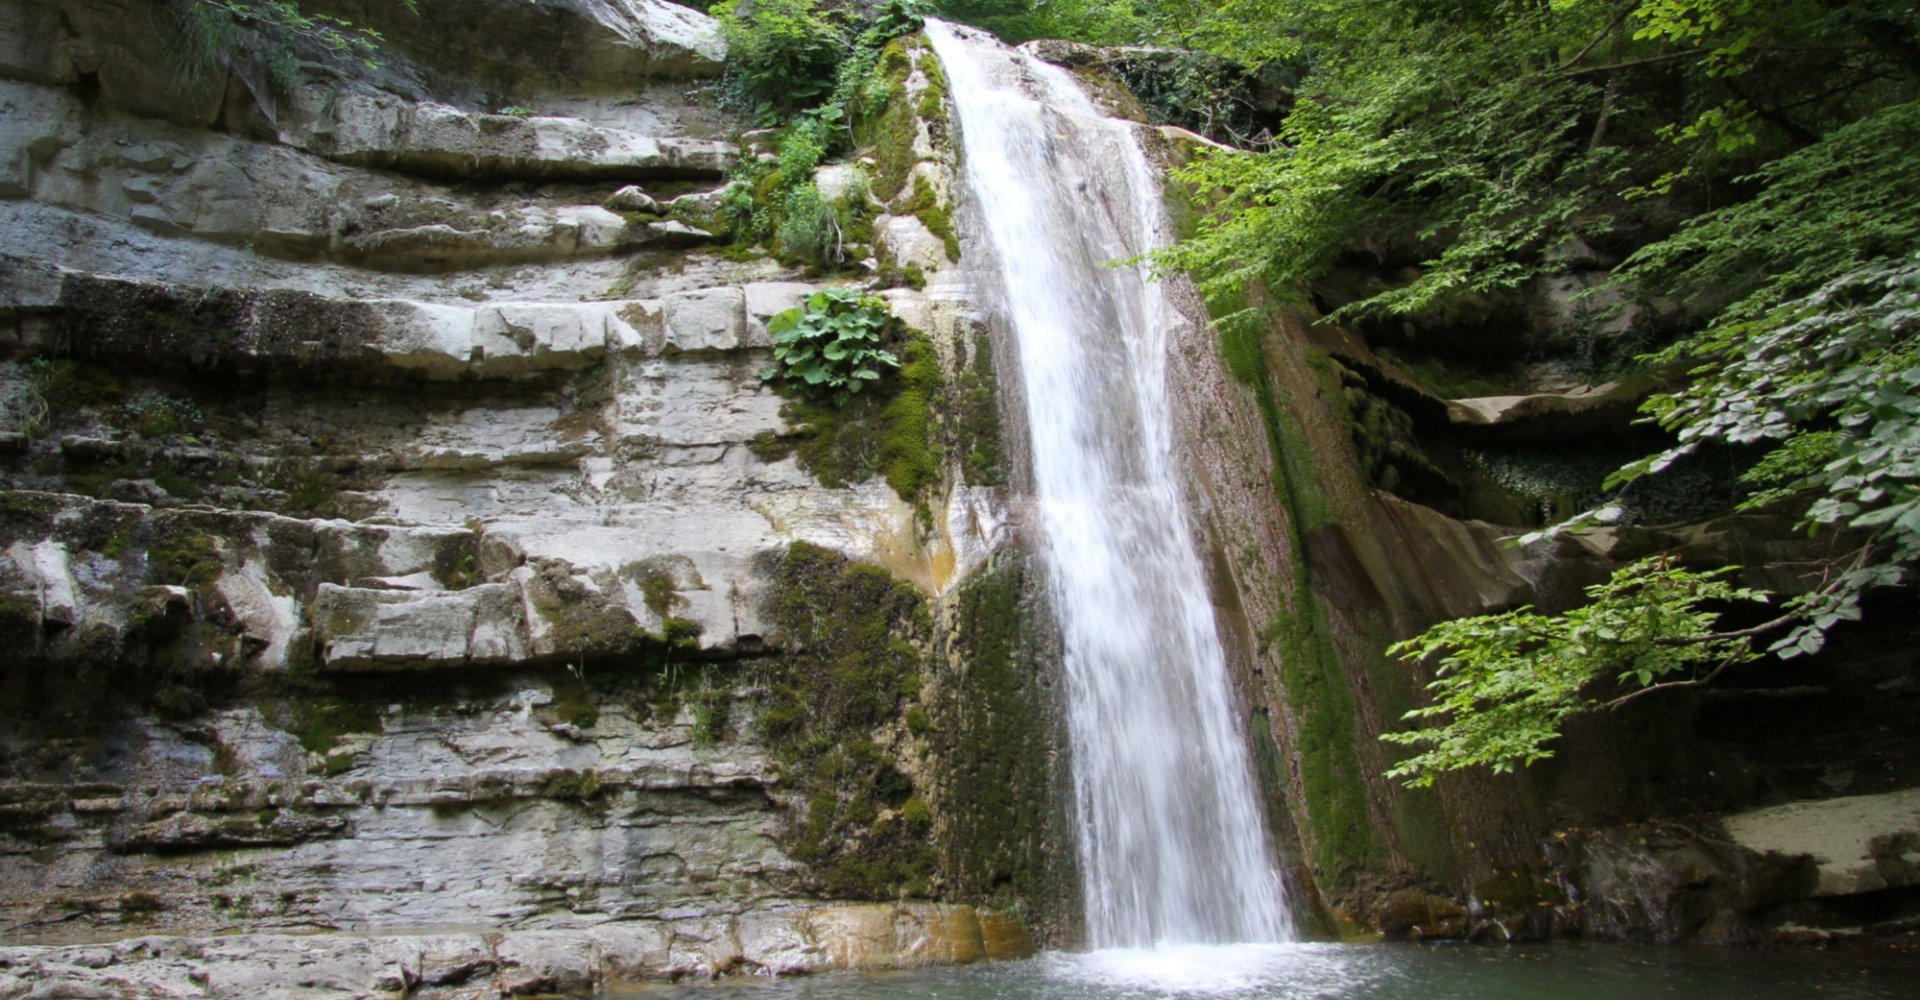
631	199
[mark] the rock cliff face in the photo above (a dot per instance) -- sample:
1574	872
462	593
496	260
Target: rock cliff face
1362	484
391	544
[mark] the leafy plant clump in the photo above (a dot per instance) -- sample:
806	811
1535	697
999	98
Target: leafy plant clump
814	74
208	33
786	51
793	54
830	347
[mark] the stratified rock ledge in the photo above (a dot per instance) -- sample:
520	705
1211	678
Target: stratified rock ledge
778	940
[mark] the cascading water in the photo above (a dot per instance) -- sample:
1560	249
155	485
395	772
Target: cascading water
1172	842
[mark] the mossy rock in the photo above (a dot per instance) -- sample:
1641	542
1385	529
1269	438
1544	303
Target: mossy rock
320	723
976	431
1001	820
185	557
925	205
856	637
837	444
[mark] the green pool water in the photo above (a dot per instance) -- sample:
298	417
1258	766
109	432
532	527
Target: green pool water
1361	972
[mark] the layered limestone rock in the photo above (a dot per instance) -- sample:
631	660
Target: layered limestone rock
795	940
391	531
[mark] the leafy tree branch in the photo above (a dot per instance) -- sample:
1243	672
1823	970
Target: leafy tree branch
1506	683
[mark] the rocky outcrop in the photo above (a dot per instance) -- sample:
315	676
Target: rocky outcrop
390	531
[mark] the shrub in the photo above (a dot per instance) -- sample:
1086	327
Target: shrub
788	51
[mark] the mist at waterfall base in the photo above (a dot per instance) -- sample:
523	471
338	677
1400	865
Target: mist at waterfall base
1358	972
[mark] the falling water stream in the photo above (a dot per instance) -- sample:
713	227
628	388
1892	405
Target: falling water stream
1173	848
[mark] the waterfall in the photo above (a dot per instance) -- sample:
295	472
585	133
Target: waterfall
1171	834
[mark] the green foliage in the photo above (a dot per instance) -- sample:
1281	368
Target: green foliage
787	50
1197	91
1821	212
30	406
844	89
159	414
1098	22
1832	379
1752	159
54	388
1474	180
793	54
803	145
830	347
207	31
889	431
712	707
1474	139
1505	683
808	228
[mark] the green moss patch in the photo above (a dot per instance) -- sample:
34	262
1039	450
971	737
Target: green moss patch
1312	672
186	558
856	637
976	431
889	431
991	730
924	204
891	135
321	722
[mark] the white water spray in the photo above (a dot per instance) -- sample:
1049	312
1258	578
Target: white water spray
1171	835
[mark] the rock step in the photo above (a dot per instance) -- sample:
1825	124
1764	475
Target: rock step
203	815
774	938
183	327
318	196
1554	415
459	46
84	572
445	143
1855	844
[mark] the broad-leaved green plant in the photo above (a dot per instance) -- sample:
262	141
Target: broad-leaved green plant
830	347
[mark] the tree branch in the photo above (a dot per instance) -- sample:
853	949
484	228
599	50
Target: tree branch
1670	685
1618	18
1829	583
1666	57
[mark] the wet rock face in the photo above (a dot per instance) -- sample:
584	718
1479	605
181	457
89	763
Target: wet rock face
382	541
